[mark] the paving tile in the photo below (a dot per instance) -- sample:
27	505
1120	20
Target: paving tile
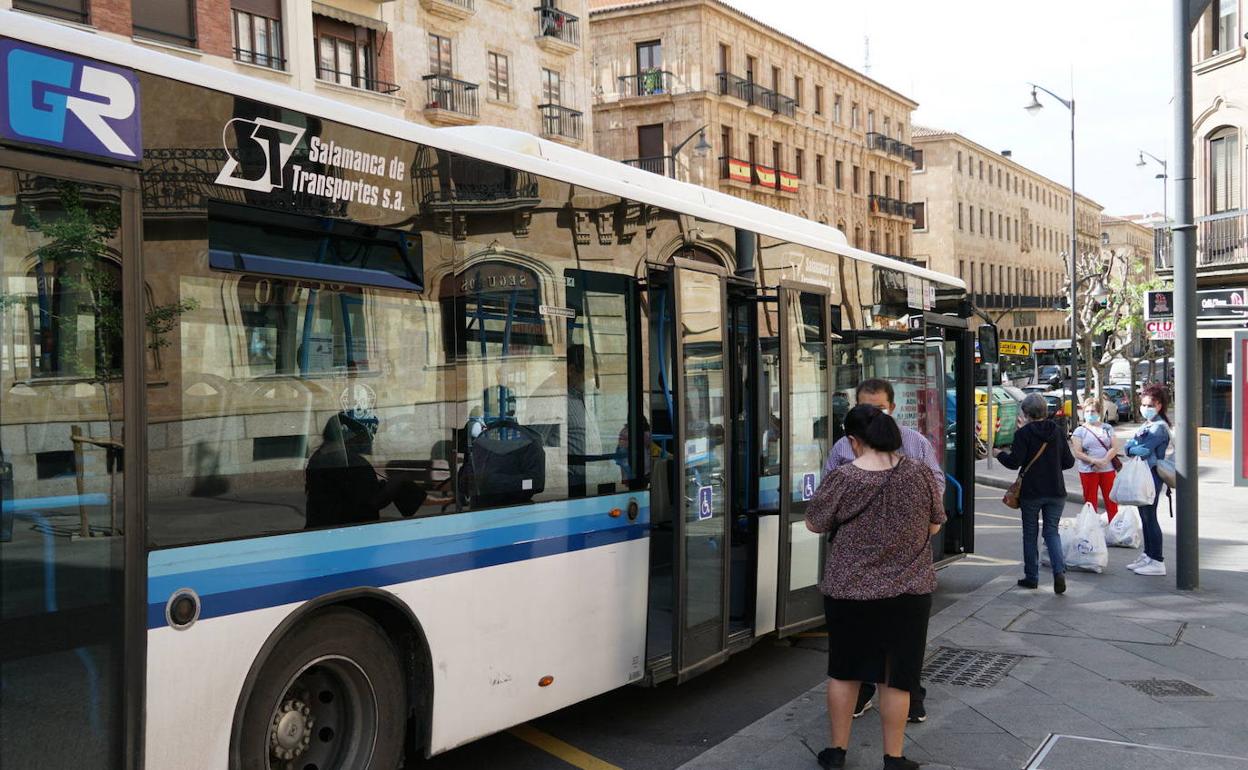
1039	720
986	751
1230	688
978	635
1191	661
999	614
1215	712
1105	659
1214	740
1108	627
1216	640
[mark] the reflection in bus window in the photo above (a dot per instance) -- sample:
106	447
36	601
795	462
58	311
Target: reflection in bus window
302	327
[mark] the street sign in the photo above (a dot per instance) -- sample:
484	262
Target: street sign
1159	330
1015	348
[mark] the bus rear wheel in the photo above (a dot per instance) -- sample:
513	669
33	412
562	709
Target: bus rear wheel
330	697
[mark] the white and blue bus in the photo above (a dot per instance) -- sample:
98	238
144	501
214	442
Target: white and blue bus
327	439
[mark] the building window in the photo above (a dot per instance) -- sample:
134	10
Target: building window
649	56
1225	25
838	175
871	183
798	88
552	87
992	229
836	108
870	121
818	100
972	217
69	10
258	32
725	58
853	116
499	80
918	160
959	161
345	53
725	141
169	21
441	61
981	171
819	169
857	180
799	163
920	216
960	215
1223	170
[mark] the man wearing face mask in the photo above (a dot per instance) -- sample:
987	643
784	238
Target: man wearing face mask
879	393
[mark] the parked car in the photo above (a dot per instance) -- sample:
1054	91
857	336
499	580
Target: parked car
1018	394
1118	394
1041	389
1059	405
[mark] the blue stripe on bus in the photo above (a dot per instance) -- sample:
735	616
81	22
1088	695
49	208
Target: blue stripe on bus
290	568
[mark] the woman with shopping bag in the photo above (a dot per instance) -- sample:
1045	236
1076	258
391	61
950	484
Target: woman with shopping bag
1149	443
1096	449
1041	452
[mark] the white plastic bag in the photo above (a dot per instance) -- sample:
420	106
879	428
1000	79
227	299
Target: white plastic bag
1087	549
1134	484
1066	531
1126	530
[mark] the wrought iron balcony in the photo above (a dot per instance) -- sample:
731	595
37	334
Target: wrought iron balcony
655	164
1222	240
754	94
890	146
446	94
554	24
561	121
883	204
651	82
355	80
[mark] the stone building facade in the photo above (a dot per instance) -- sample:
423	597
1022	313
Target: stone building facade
1220	133
438	62
1002	228
784	125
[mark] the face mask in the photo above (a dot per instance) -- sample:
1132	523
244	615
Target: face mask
1148	412
1092	417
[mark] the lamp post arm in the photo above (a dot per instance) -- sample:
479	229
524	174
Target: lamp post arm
1164	166
1067	103
676	150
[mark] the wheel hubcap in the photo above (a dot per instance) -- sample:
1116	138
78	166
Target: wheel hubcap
327	719
292	730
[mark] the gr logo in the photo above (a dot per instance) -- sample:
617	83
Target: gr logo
264	146
59	100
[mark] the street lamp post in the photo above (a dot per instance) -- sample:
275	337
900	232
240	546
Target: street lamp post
699	150
1164	176
1033	109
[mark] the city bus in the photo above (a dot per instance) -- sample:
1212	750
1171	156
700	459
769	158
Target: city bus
328	439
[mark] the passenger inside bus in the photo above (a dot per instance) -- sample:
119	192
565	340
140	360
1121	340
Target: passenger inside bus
342	486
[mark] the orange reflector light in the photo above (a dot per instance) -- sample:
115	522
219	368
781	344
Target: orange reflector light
546	681
615	513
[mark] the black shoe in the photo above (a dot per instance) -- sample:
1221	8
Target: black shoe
918	712
865	693
1059	583
899	763
1028	583
831	758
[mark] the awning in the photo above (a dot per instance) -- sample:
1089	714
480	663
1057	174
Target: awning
359	20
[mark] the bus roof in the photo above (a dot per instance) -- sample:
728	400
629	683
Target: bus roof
499	145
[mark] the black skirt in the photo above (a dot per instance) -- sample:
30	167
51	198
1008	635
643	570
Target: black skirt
878	640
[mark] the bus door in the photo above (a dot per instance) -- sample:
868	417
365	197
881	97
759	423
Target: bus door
693	381
805	439
951	345
71	449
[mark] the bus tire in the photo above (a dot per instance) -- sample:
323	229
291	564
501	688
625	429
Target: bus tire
331	696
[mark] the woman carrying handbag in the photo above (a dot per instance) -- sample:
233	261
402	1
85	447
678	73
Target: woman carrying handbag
1096	448
1042	446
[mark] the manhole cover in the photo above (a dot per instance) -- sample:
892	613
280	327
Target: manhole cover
968	668
1168	688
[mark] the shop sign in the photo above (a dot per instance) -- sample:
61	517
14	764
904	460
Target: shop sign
1159	330
1211	304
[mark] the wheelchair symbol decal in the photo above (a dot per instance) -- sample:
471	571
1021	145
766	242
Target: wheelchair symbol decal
705	511
808	486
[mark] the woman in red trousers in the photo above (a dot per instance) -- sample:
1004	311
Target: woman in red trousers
1096	448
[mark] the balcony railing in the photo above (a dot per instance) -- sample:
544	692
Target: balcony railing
447	93
651	82
355	80
557	24
656	164
883	204
755	94
558	120
886	144
1222	239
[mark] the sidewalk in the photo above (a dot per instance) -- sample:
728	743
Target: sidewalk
1122	671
